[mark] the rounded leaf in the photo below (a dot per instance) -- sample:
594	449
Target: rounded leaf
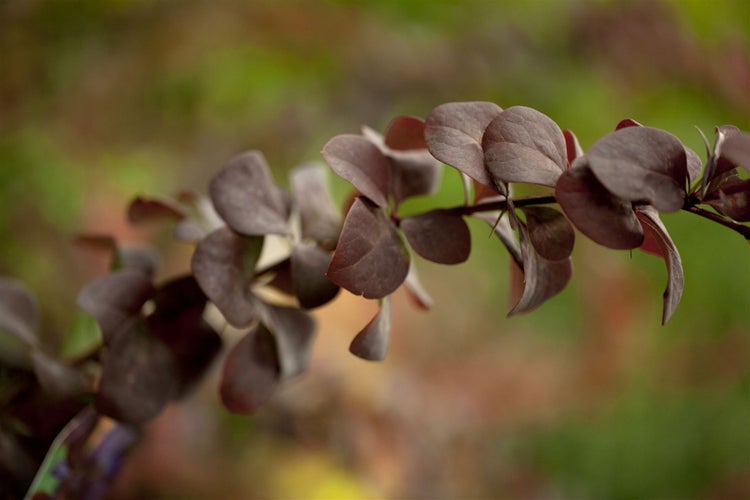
641	164
438	236
320	220
370	258
245	196
453	133
405	133
294	331
371	343
312	288
549	232
359	161
523	145
606	219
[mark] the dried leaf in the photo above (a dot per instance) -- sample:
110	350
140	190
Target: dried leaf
370	258
138	378
312	288
438	236
453	133
405	133
224	266
362	163
543	279
320	220
294	331
371	343
115	300
649	217
641	164
550	233
245	196
523	145
606	219
251	372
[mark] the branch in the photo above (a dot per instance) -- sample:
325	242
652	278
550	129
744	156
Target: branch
734	226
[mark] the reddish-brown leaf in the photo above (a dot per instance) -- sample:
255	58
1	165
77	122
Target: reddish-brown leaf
319	218
453	133
371	343
309	263
405	133
359	161
438	236
294	331
550	233
142	209
733	200
523	145
370	257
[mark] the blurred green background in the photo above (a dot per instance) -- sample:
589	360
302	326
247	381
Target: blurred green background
588	397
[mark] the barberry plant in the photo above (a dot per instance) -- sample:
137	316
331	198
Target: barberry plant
264	257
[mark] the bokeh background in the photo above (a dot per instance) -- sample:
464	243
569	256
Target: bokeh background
587	397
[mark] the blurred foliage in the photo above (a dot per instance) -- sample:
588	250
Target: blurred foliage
586	397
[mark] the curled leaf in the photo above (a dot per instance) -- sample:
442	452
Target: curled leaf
453	133
606	219
370	258
573	148
294	331
371	343
649	217
641	164
251	372
224	266
733	201
245	196
550	233
438	236
359	161
523	145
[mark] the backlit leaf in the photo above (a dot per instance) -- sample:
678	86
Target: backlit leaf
309	263
362	163
413	173
573	148
245	196
523	145
115	300
406	132
641	164
543	279
370	258
606	219
736	149
438	236
138	378
320	220
550	232
251	372
371	343
453	133
649	217
224	266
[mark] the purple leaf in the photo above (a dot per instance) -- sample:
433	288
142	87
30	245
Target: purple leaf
736	150
628	122
138	378
245	196
606	219
641	164
251	372
312	288
115	300
733	200
362	163
371	343
543	279
405	133
438	236
649	217
224	266
550	233
294	331
413	173
370	257
453	132
58	379
523	145
320	220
